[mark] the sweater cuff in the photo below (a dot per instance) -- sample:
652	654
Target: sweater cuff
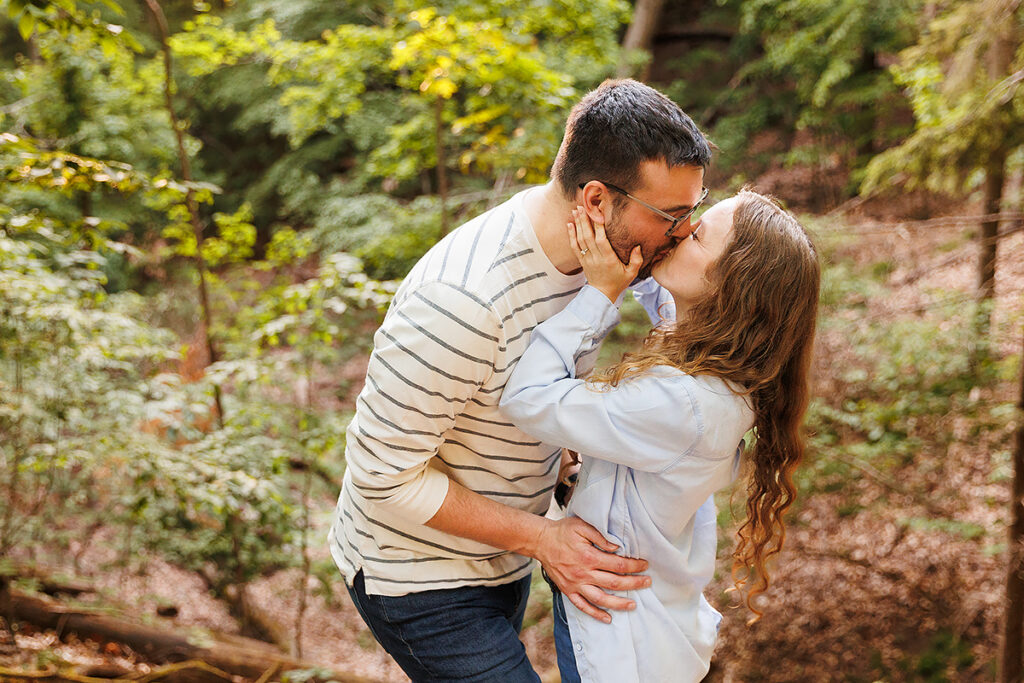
427	497
594	309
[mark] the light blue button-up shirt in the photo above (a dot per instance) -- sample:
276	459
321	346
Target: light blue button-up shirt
654	449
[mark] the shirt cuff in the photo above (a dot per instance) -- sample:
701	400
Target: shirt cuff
594	309
431	490
646	286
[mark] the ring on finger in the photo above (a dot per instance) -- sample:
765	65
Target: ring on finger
583	252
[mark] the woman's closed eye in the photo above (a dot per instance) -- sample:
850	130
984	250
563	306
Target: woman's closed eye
693	233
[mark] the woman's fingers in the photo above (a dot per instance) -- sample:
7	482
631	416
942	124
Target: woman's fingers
600	239
584	229
636	260
589	241
573	242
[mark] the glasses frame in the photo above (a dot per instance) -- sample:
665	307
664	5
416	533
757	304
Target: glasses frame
676	220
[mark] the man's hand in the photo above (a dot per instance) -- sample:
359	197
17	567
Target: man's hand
583	572
574	554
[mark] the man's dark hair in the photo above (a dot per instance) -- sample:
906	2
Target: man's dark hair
617	127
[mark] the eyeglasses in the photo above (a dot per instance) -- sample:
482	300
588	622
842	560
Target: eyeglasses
676	220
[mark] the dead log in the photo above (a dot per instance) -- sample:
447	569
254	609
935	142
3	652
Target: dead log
192	671
48	580
233	654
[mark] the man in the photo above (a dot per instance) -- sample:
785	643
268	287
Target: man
442	503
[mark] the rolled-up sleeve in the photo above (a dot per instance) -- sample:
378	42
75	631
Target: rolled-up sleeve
646	422
433	352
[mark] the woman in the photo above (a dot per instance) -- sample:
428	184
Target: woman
664	429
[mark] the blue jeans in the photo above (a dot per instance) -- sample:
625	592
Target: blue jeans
454	634
563	641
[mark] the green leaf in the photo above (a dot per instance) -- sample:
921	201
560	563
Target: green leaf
26	25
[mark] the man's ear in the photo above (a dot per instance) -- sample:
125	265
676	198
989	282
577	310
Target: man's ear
596	200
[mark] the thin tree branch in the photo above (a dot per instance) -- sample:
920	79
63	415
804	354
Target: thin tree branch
186	175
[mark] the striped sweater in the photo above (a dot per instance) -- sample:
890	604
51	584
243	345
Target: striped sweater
428	412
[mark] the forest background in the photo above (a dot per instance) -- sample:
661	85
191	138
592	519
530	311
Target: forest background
205	208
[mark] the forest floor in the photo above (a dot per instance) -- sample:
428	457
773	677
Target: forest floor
893	567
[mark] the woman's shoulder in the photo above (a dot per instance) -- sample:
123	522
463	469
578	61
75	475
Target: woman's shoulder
709	385
713	401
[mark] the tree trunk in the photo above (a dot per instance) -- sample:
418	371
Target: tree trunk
233	654
186	175
988	242
999	57
1011	662
640	36
995	175
442	171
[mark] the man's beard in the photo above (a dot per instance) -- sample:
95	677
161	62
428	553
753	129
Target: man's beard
622	242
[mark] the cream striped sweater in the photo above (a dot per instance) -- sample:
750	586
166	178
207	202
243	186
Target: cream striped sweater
429	410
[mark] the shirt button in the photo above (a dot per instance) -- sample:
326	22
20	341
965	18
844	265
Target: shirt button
579	647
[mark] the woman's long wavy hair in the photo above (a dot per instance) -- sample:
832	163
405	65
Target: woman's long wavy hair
755	328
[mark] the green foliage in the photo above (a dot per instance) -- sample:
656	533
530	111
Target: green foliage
90	95
953	527
946	655
900	372
965	88
312	316
628	335
388	235
497	79
61	16
67	353
97	430
808	65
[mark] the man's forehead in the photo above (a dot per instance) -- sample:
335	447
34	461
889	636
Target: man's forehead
680	185
659	172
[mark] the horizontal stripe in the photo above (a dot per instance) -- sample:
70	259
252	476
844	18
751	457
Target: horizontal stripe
456	579
509	257
520	281
466	293
505	458
490	422
507	494
474	468
376	488
392	446
389	423
373	453
525	330
406	560
496	438
376	543
421	361
456	341
531	304
448	314
397	532
441	342
403	406
412	384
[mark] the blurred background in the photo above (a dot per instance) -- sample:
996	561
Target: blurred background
205	209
